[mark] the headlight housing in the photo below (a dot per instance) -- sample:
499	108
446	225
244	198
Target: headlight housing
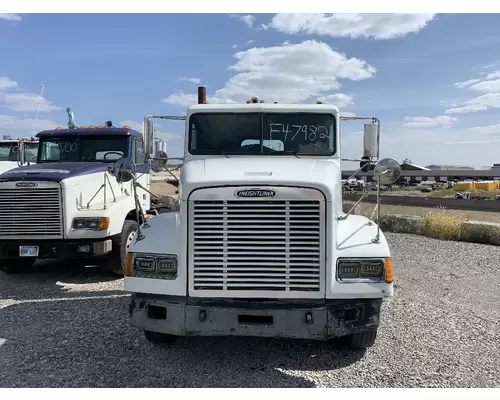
155	265
364	270
90	224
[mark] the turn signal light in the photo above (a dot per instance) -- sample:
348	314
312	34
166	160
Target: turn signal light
128	264
389	270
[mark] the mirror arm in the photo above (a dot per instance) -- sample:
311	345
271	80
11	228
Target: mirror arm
344	217
146	190
376	239
139	213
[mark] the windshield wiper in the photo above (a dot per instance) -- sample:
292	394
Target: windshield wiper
292	152
213	148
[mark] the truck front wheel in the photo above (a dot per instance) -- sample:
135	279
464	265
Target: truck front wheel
361	340
115	262
157	337
16	266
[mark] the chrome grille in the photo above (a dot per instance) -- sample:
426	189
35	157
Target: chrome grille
268	245
30	212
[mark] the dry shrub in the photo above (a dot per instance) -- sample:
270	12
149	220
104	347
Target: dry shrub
481	194
442	224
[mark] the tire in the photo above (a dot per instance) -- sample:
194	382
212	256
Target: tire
16	266
157	337
362	340
115	263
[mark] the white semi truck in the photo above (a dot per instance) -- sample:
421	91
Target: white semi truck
17	152
260	245
67	206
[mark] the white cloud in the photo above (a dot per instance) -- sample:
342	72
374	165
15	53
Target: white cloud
27	102
287	74
11	17
235	46
347	114
487	129
378	26
480	103
133	124
489	85
196	81
23	127
339	99
464	84
429	122
185	99
248	20
7	83
249	42
14	99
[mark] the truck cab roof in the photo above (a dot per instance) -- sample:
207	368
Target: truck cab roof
89	132
263	107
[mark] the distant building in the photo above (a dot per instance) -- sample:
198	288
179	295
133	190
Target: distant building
443	173
413	167
449	167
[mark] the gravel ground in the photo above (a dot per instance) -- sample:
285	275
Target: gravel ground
62	329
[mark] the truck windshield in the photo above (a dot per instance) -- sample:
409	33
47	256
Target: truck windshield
262	134
82	148
9	150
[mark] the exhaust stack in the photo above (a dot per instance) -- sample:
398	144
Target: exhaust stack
71	117
202	94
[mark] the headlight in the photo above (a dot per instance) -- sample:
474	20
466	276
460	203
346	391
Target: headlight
365	270
92	224
161	266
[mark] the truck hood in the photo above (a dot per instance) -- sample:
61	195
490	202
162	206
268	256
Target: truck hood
54	172
7	166
283	171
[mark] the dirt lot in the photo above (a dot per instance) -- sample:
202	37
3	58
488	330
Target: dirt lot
62	327
161	188
366	209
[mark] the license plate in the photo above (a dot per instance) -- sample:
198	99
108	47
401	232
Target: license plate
28	251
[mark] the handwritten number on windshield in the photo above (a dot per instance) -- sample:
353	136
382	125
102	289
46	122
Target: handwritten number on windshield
68	147
291	132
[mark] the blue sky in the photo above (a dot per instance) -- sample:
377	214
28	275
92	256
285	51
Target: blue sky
433	80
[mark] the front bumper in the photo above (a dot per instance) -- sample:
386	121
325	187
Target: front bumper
297	320
58	249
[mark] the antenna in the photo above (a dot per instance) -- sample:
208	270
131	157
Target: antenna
38	107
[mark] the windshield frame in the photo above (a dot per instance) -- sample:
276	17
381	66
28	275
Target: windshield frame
79	139
262	116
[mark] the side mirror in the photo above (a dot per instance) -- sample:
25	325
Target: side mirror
148	132
159	162
387	171
365	164
124	170
371	140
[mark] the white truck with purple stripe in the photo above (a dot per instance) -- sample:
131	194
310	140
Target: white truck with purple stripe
17	152
261	245
68	206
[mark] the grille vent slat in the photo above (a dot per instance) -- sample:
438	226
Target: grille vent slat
33	212
271	245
